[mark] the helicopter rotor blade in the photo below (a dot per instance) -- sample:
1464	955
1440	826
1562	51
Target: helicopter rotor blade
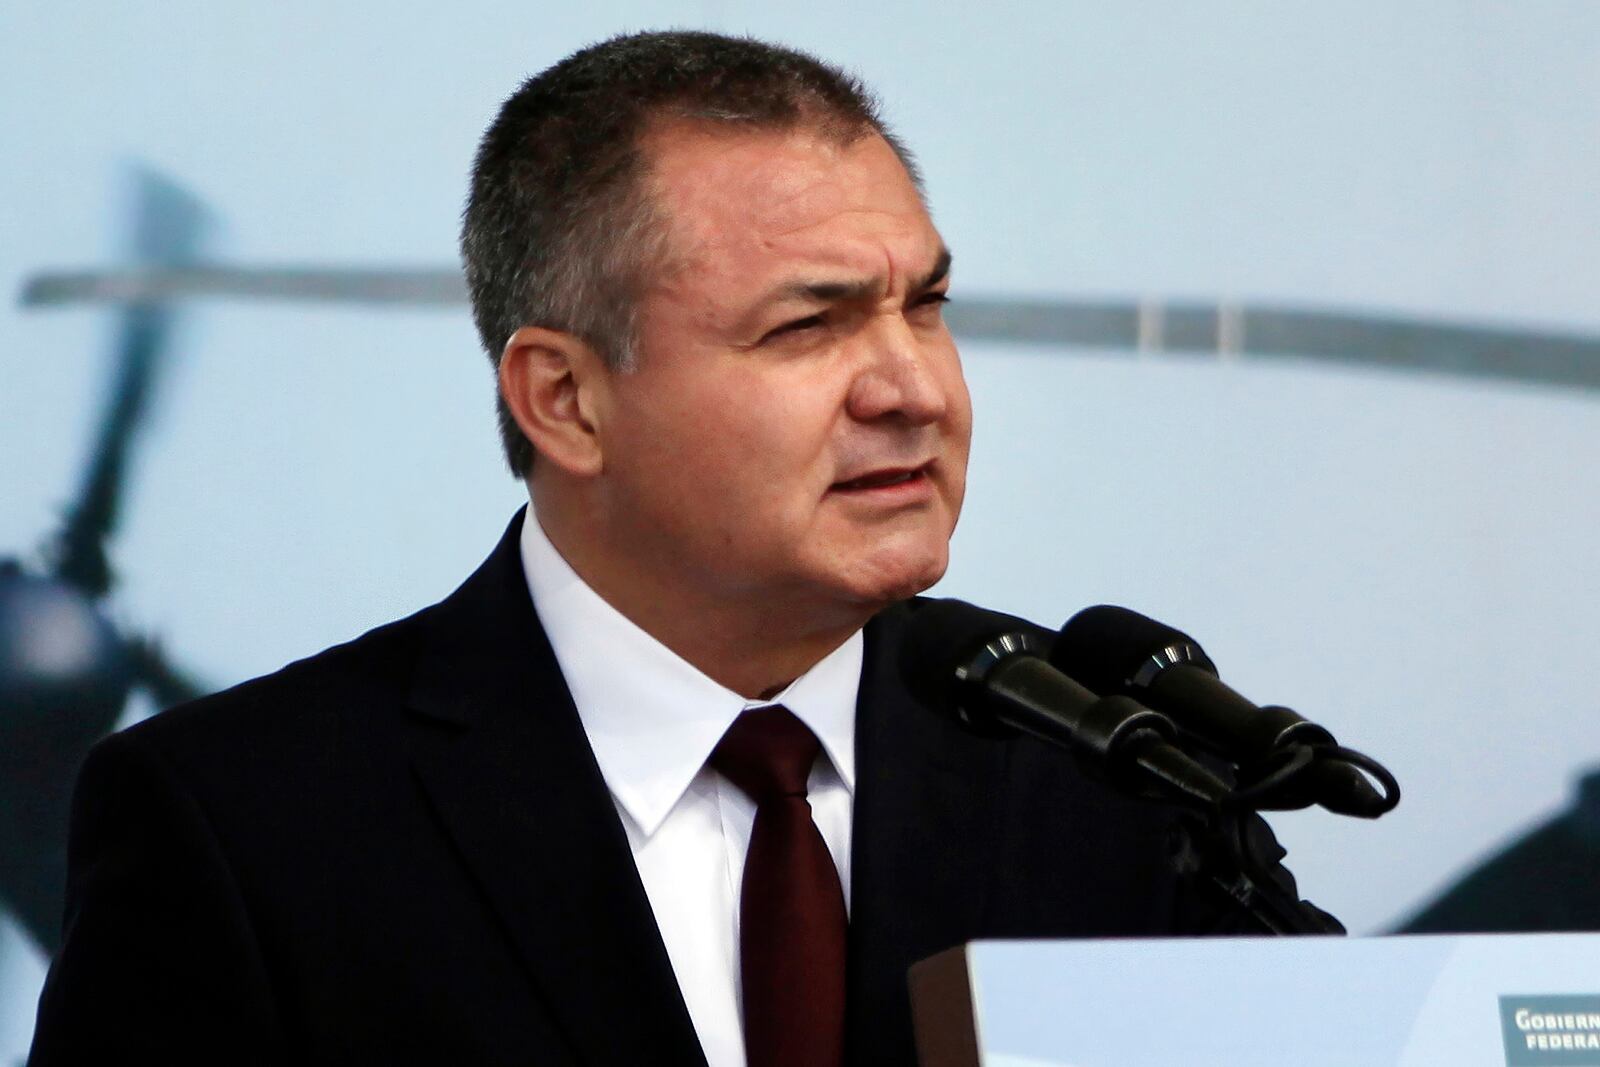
1221	329
167	228
418	287
167	685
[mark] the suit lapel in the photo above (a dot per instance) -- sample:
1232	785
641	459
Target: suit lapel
927	809
502	756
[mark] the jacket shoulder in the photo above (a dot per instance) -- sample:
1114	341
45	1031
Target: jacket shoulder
364	678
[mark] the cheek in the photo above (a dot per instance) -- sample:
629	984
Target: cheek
958	435
781	424
727	459
959	401
963	404
745	437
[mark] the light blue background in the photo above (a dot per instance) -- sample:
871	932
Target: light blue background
1408	559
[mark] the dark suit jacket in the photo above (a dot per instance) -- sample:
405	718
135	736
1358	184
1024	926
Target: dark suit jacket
401	851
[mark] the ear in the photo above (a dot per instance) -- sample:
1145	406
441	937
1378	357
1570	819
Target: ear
553	383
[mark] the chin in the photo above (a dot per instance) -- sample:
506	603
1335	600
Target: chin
900	576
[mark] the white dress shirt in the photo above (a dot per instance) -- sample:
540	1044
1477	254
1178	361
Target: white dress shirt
653	720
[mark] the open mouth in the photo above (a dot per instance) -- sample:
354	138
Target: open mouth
883	479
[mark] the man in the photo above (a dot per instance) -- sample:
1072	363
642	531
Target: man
529	824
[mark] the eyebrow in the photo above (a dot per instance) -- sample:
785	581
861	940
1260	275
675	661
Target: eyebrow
861	290
940	271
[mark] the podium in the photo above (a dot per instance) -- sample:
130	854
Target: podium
1482	1000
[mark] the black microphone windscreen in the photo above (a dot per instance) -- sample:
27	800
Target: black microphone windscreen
1103	647
943	637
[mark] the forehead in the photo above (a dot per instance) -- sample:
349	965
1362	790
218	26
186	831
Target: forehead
751	202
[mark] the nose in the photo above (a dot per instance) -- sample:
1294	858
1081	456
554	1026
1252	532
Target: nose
901	377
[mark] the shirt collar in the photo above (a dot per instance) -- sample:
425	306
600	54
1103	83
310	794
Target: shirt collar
653	718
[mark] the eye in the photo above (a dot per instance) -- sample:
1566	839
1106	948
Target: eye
935	301
810	322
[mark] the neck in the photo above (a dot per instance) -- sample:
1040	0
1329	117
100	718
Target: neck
753	649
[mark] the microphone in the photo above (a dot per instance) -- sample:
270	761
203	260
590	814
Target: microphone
1114	650
987	671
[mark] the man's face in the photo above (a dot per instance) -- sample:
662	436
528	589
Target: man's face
796	430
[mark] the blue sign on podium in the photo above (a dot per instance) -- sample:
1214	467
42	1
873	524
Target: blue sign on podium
1482	1000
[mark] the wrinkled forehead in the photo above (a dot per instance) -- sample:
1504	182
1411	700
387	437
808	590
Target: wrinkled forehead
716	188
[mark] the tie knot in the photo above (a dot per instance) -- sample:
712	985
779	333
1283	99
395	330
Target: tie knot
767	753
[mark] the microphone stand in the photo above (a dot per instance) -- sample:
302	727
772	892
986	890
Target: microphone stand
1228	848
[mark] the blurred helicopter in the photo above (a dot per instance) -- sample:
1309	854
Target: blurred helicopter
66	668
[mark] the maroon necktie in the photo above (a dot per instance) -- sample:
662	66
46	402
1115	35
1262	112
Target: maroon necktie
791	908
